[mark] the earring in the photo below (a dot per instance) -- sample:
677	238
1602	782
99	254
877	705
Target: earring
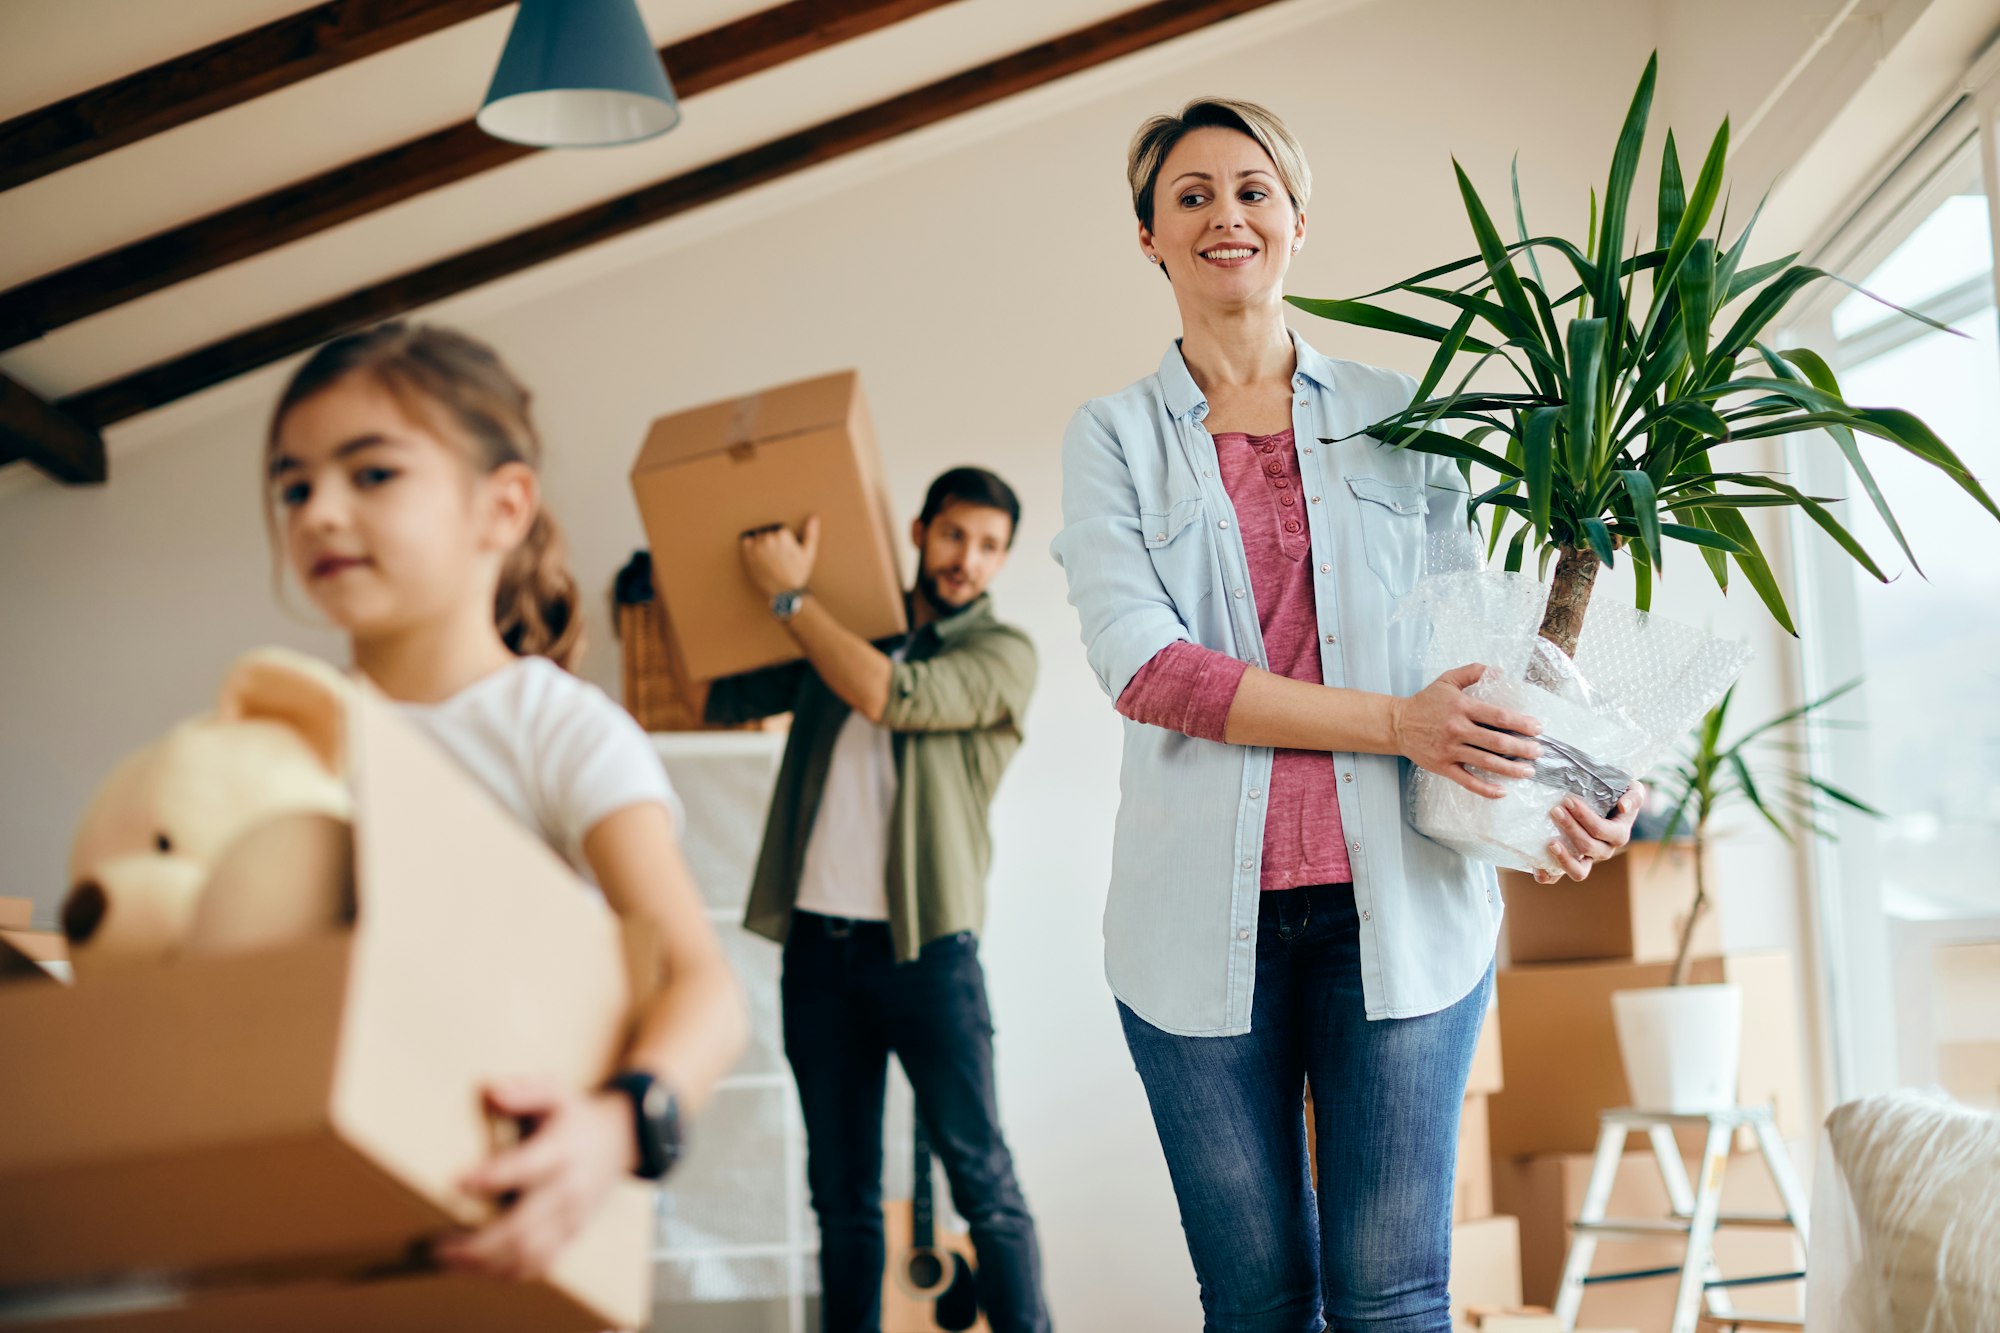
1153	259
1296	245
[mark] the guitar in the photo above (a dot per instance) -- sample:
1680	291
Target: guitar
928	1286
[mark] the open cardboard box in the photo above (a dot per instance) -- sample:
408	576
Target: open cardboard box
707	475
259	1141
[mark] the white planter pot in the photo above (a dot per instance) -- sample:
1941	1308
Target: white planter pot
1682	1045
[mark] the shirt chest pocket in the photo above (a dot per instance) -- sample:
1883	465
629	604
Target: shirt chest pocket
1181	551
1392	530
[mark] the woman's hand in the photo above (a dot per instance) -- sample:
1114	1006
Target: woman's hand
581	1144
1442	729
1588	837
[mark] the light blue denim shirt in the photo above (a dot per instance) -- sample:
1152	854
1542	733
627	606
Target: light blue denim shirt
1152	553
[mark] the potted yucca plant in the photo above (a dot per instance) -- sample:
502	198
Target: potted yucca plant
1607	444
1634	363
1705	778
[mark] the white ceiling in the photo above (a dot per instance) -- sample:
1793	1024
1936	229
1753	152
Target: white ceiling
55	48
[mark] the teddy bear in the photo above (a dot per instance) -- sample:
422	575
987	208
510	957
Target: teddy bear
228	833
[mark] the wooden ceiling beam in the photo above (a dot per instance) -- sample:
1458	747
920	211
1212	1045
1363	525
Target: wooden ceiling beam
46	436
706	61
1120	35
214	78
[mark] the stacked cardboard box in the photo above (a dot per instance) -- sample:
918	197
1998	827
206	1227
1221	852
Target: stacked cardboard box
1485	1249
1571	946
266	1140
707	475
23	949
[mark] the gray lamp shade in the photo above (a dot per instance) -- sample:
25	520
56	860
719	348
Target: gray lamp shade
578	74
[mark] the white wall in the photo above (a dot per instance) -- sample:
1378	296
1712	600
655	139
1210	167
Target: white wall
984	279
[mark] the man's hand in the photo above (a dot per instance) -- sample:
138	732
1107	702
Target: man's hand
778	562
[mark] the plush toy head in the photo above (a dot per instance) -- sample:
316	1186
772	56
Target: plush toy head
171	817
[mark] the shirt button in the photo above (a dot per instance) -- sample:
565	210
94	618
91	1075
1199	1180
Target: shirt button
1159	536
1275	468
1315	499
1354	845
1326	569
1256	792
1305	451
1302	402
1347	777
1281	484
1291	525
1239	592
1223	523
1247	863
1329	638
1365	916
1287	501
1242	934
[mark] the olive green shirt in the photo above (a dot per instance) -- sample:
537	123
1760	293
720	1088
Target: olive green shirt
956	701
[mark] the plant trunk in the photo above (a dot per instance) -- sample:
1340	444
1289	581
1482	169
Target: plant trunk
1569	597
1682	961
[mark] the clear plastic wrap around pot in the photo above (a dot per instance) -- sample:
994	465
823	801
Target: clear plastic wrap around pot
1638	684
1906	1218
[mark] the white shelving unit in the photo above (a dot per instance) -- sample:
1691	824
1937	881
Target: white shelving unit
735	1224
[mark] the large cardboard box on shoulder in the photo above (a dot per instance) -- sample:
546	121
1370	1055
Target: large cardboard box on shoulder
1634	906
1563	1064
706	476
261	1141
1546	1194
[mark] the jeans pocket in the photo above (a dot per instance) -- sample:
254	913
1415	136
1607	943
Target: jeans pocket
1392	530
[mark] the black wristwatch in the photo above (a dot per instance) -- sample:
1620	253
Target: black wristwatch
786	604
656	1121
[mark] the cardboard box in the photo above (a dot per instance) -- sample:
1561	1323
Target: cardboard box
1485	1267
259	1134
1472	1191
1546	1194
16	913
1485	1077
706	476
1563	1064
1633	907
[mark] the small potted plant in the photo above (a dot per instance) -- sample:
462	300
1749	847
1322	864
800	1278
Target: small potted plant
1681	1043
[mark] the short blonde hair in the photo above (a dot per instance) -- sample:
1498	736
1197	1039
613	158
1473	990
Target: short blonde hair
1157	137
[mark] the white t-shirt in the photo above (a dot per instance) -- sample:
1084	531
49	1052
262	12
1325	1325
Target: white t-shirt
553	749
847	858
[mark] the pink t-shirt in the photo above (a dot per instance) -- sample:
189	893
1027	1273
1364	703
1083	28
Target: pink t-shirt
1189	688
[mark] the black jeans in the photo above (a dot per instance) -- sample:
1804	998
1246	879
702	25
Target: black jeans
848	1003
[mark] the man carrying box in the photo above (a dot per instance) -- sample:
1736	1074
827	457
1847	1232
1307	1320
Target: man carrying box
873	876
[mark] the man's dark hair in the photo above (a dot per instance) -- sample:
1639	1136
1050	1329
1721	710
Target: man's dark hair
976	486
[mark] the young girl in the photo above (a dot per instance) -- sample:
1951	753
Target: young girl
404	496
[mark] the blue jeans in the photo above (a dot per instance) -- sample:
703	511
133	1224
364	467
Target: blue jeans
1373	1250
847	1004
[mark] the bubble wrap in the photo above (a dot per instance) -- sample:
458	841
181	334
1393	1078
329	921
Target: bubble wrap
1638	684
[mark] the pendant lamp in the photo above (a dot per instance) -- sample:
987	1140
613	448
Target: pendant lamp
578	74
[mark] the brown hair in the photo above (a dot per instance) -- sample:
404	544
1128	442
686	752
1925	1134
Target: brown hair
1157	137
445	377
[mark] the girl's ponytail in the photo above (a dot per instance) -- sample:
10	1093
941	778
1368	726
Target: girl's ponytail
536	605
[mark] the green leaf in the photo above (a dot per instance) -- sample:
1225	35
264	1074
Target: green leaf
1586	361
1599	537
1447	349
1450	446
1696	284
1701	202
1909	430
1515	547
1642	576
1754	566
1618	189
1499	264
1821	375
1374	317
1521	218
1538	465
1673	196
1646	510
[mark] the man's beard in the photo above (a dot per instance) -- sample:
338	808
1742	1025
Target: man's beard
927	588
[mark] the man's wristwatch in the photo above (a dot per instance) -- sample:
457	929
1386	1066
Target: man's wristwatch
656	1121
786	604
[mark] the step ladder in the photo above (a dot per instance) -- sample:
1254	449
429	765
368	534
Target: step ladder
1703	1296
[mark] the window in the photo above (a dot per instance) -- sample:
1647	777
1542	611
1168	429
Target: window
1909	905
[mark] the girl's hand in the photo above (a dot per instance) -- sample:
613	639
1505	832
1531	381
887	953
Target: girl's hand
1588	837
579	1147
1442	729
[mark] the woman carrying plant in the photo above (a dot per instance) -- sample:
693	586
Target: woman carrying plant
1273	921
